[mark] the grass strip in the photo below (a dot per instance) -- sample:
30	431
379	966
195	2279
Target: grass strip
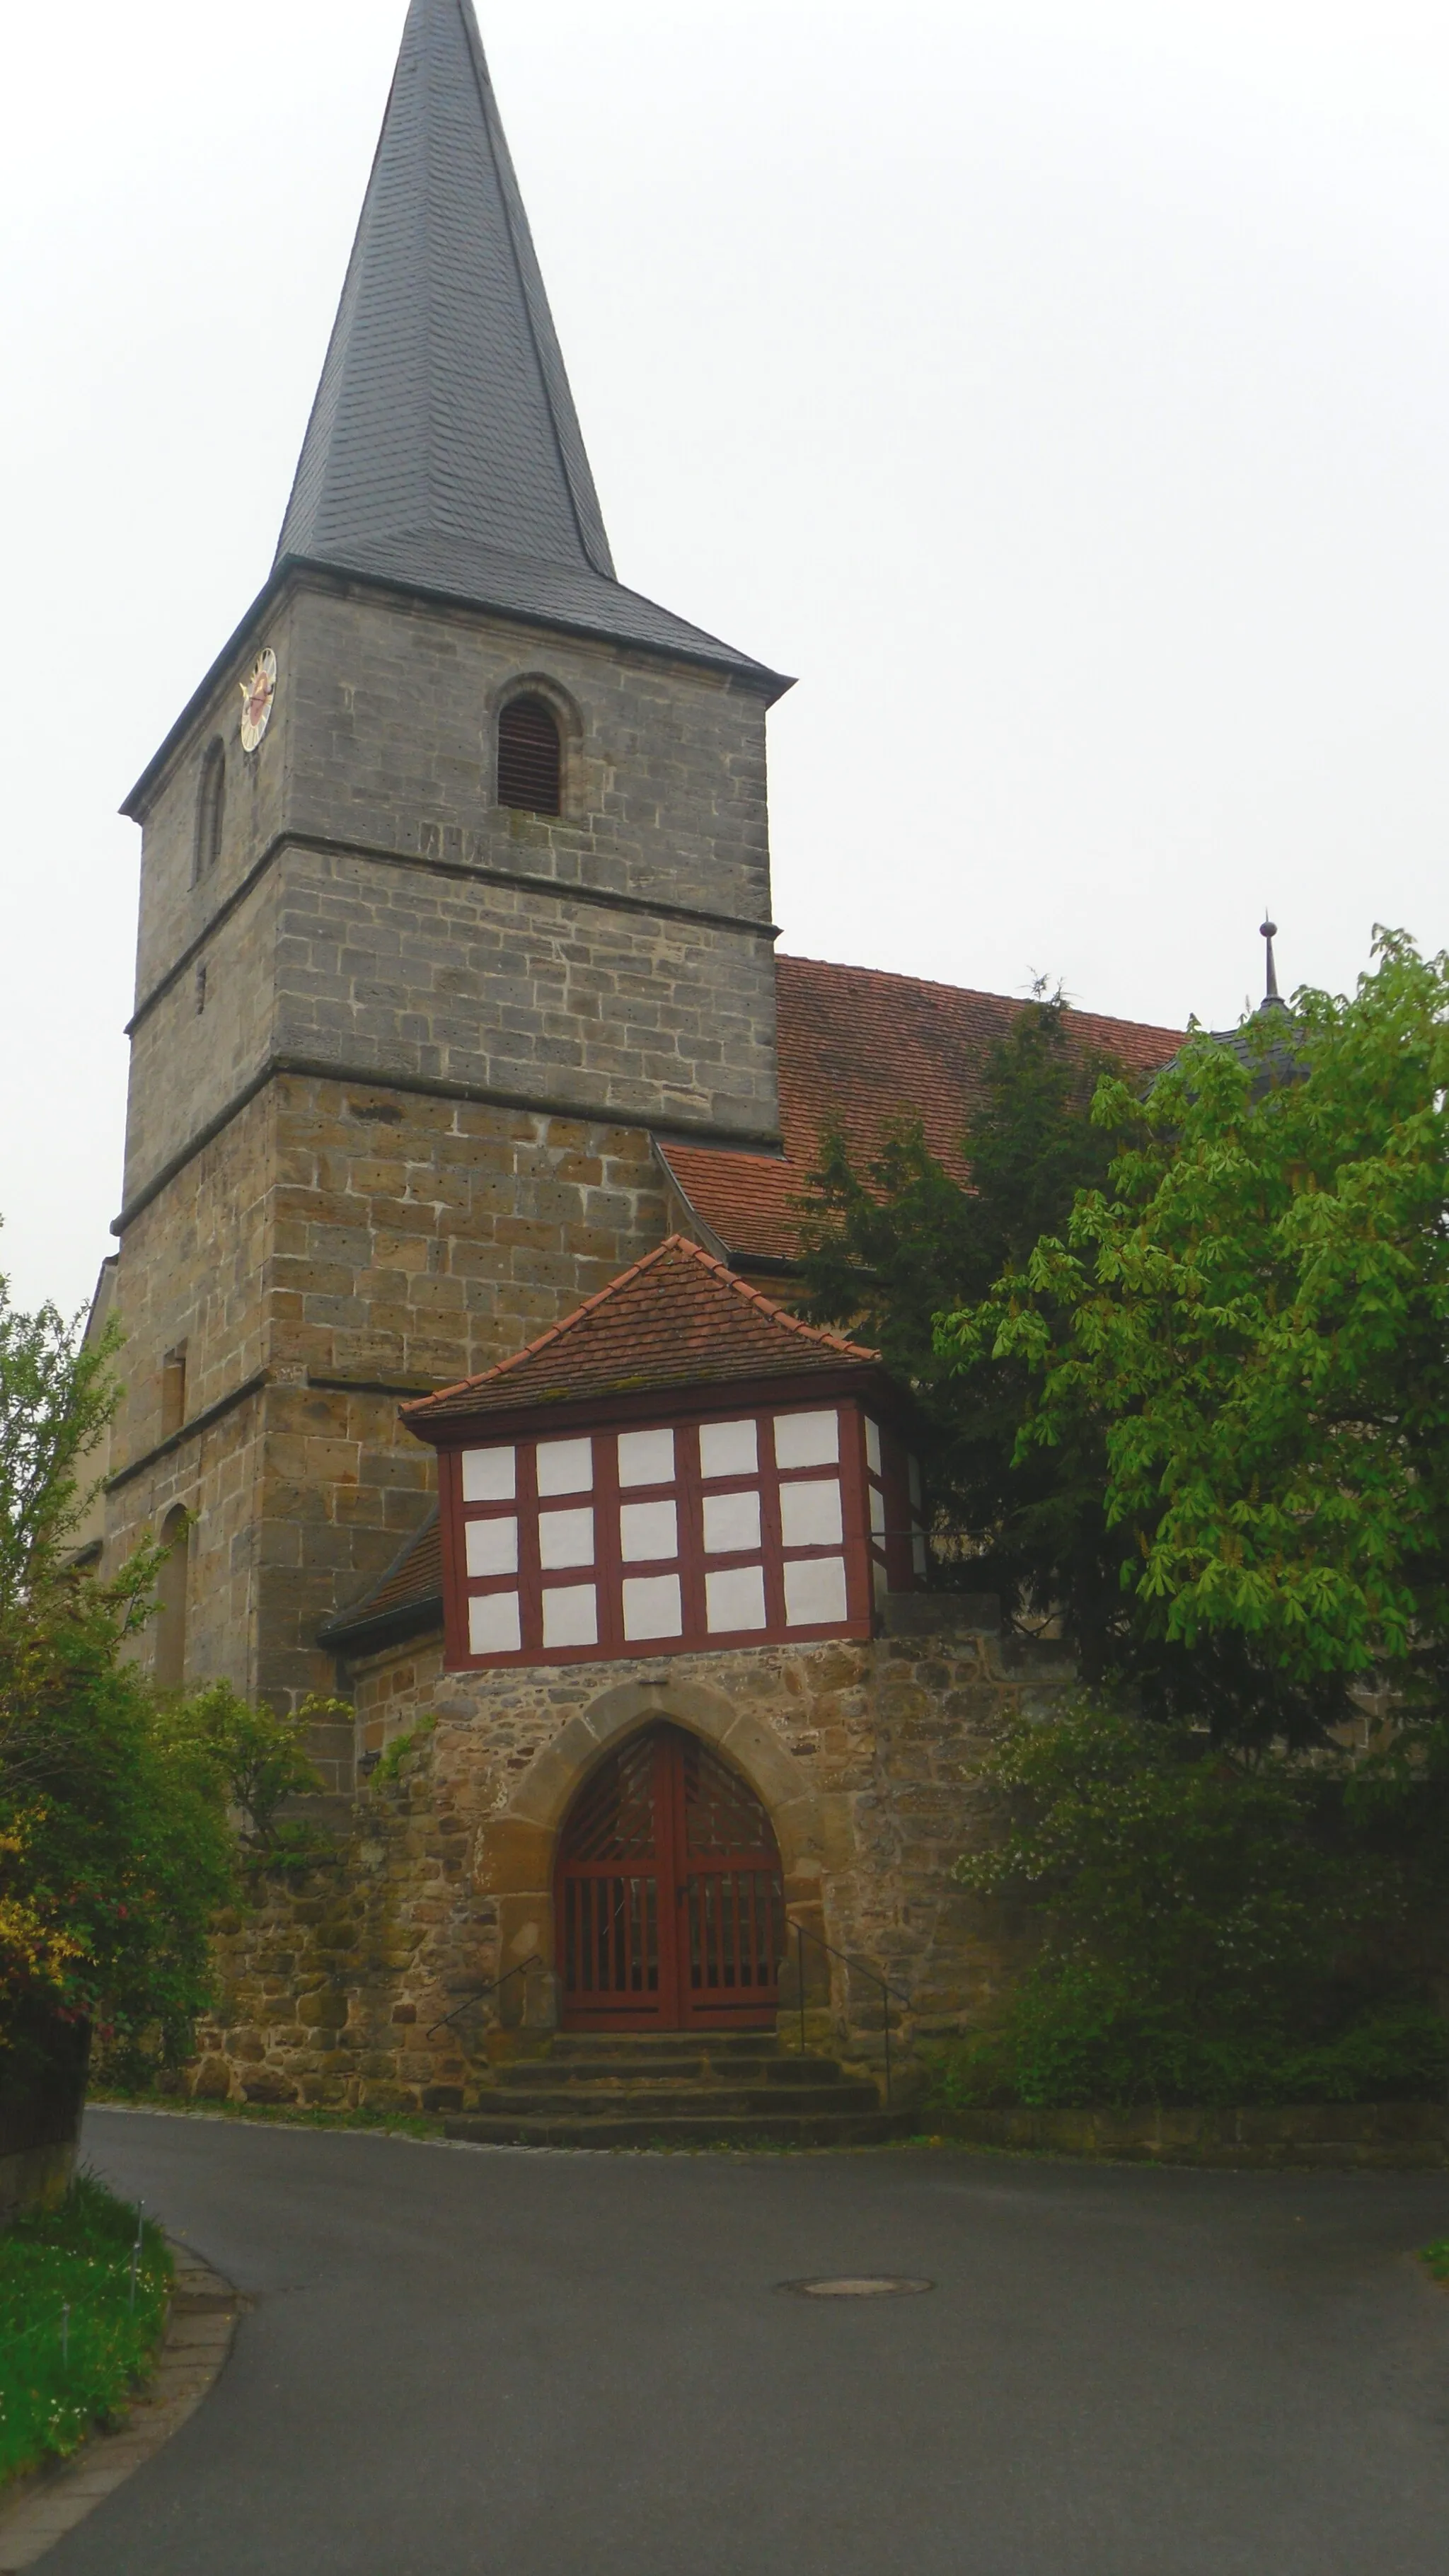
1436	2258
285	2115
75	2342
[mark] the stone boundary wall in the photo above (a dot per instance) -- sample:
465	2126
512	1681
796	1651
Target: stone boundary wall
334	1987
1390	2135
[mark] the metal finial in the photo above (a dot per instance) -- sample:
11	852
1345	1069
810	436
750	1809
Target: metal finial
1269	931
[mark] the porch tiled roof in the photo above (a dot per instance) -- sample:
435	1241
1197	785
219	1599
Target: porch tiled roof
678	1318
408	1596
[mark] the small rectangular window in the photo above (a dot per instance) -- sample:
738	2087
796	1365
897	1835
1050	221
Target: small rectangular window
173	1391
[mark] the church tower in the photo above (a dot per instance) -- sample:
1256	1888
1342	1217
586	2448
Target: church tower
454	898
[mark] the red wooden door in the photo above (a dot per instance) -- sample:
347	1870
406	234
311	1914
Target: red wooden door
670	1904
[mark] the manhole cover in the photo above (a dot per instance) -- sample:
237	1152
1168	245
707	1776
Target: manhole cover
859	2285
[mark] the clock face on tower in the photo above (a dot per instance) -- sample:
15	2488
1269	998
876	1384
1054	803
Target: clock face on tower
257	693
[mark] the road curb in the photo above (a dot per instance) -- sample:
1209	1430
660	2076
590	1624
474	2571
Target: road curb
200	2323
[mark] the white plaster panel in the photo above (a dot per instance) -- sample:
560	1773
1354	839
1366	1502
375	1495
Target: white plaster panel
493	1624
565	1466
571	1615
648	1529
491	1546
731	1521
566	1538
652	1606
489	1475
814	1590
807	1439
728	1449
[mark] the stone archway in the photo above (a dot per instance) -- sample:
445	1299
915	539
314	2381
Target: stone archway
516	1853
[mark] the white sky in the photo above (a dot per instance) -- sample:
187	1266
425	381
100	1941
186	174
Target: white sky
1061	390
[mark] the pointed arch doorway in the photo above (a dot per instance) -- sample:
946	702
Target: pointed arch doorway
669	1896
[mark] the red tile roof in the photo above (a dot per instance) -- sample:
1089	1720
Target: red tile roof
860	1048
678	1318
407	1597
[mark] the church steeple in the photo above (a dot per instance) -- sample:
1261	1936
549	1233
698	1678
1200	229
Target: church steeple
444	453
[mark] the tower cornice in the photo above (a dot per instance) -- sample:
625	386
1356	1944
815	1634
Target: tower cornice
676	643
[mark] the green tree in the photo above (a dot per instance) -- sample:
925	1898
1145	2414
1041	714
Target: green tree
1246	1327
888	1248
114	1846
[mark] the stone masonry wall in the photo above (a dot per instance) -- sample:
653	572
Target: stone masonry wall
341	1242
347	1244
413	1242
334	1990
448	978
374	905
190	1275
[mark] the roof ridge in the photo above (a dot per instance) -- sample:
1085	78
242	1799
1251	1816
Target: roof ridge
777	1313
679	1244
542	1340
965	992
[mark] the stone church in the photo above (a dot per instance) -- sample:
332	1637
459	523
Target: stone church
470	1107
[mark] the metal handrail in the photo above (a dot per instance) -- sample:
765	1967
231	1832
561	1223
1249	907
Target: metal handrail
521	1970
802	1935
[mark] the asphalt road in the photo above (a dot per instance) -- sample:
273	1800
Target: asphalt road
486	2362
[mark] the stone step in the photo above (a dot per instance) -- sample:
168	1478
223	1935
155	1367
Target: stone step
590	2104
637	2068
702	2129
595	2044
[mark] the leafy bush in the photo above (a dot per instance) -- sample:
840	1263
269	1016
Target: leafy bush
114	1846
388	1768
54	2388
1212	1929
257	1754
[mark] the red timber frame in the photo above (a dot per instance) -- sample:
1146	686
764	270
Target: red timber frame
669	1900
867	1568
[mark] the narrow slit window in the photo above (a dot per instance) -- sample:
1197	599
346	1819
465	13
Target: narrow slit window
210	812
530	762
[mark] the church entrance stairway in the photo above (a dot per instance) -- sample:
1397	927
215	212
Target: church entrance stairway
678	2089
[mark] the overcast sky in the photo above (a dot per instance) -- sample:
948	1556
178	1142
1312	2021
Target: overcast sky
1061	391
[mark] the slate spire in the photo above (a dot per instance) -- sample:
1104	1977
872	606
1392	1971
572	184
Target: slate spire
444	452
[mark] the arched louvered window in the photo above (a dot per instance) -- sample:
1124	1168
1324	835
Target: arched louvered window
530	758
210	811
